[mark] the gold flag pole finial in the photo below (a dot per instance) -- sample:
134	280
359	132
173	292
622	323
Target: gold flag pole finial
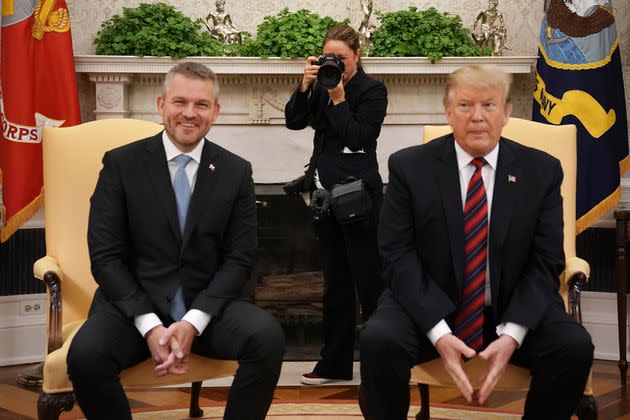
7	8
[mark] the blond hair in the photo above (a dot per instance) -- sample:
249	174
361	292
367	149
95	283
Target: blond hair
481	75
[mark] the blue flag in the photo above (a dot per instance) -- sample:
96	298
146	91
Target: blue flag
579	81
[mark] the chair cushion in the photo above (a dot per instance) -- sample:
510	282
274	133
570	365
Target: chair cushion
141	375
433	373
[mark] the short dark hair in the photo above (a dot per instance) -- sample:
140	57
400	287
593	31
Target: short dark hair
192	70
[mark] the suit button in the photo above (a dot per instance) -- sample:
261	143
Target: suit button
168	299
180	266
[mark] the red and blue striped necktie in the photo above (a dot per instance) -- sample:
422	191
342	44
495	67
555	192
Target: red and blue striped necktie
468	319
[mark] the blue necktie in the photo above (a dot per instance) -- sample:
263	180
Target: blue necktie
182	197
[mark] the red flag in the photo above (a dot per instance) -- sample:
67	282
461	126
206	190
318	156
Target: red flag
37	88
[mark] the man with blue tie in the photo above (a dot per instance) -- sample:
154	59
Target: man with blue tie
172	241
471	236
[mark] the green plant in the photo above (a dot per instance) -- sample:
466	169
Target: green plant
155	29
290	34
427	33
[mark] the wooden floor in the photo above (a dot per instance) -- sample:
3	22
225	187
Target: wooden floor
19	403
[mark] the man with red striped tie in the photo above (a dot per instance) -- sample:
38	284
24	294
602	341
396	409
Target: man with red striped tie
471	235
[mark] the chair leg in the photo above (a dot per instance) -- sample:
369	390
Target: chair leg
425	410
587	408
50	406
195	410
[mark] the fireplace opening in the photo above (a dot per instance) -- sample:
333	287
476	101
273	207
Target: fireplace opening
288	282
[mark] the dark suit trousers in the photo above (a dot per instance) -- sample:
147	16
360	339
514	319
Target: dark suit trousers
559	355
108	343
350	259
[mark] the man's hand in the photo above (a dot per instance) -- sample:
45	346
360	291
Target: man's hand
179	337
451	350
498	353
159	352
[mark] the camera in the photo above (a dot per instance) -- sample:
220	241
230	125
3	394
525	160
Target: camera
330	70
296	186
320	203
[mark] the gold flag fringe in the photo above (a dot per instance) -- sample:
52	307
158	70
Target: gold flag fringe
598	211
605	205
13	224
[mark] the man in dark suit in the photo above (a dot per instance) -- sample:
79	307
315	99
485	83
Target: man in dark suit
172	241
471	234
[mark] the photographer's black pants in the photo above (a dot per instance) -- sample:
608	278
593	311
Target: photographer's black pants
350	259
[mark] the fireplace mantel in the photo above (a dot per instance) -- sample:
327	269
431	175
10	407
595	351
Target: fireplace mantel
106	64
264	85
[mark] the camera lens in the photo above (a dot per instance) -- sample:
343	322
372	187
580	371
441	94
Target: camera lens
329	76
330	71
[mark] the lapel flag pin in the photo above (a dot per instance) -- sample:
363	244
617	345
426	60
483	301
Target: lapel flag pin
511	178
211	167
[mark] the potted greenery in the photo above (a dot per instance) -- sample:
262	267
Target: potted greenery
412	33
155	29
158	29
290	35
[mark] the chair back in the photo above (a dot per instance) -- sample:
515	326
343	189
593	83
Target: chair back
559	141
72	161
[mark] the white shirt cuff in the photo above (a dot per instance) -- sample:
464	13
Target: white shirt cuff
198	319
437	332
517	332
146	322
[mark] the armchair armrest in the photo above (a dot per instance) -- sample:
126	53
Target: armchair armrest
47	270
576	274
44	265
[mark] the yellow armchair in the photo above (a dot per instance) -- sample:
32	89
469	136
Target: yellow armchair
72	161
560	142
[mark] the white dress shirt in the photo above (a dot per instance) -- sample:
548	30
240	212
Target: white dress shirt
200	320
466	170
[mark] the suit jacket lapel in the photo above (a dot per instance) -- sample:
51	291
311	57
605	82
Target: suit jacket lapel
503	198
205	183
447	175
160	179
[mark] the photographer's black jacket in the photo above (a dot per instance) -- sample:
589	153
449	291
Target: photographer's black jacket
355	124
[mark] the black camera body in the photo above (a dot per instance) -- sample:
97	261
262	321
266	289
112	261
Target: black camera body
296	186
331	68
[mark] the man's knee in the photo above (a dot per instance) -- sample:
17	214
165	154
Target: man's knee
83	361
569	345
579	347
267	339
377	340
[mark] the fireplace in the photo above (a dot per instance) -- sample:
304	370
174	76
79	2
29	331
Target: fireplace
288	280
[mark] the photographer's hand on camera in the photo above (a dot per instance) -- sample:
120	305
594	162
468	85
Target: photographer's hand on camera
337	94
310	74
320	203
